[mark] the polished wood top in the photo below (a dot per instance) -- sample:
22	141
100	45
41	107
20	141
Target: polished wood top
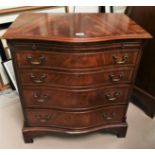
80	27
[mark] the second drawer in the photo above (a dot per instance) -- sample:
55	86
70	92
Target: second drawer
76	79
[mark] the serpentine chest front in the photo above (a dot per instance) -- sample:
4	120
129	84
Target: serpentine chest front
75	71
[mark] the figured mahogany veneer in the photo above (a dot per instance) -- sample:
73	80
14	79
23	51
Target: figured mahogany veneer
76	79
76	60
77	28
75	71
125	53
75	120
84	99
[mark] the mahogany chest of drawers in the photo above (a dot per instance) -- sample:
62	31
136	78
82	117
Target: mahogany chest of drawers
75	71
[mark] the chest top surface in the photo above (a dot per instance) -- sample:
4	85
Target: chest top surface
81	27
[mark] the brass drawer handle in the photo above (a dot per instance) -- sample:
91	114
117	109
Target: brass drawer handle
120	59
108	117
112	97
39	99
41	80
39	62
115	78
42	118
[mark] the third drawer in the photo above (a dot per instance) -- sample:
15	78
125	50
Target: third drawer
75	99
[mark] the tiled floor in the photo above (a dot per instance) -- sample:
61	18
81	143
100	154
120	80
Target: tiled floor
141	131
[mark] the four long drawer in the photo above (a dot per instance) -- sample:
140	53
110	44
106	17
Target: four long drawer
72	81
75	120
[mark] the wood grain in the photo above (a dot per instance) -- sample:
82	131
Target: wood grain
75	120
75	72
75	27
75	100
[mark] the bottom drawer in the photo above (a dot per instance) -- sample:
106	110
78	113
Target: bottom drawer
75	120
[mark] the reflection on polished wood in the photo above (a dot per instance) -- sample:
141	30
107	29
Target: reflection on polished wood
64	27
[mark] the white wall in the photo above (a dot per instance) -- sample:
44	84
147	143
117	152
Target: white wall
119	9
84	9
12	17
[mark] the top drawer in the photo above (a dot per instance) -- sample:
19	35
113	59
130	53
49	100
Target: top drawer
30	55
75	60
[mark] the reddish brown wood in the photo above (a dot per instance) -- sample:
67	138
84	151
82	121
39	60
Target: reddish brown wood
76	79
78	100
75	120
92	60
75	27
75	84
119	129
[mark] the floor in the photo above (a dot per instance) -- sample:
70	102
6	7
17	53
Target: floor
141	131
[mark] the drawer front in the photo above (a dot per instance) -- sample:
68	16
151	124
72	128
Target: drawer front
121	57
75	99
75	79
62	60
75	120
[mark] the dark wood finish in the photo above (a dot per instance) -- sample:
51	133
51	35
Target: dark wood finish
30	133
144	90
144	100
76	79
75	84
70	60
75	27
78	100
75	120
